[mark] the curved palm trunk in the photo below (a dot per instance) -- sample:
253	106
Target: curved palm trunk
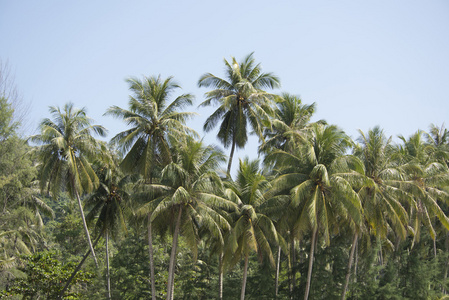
245	275
220	276
150	250
231	155
351	258
84	220
108	277
171	268
309	271
278	264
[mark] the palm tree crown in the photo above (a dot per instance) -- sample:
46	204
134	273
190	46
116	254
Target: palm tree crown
154	120
241	100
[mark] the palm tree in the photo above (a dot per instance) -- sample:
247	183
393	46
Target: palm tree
290	122
155	123
187	197
315	173
252	230
424	181
108	204
241	100
67	147
383	201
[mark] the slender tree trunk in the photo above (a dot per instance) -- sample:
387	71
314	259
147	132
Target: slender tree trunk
245	275
150	251
381	258
78	267
293	269
278	265
220	276
435	247
231	156
108	277
309	271
171	269
84	220
356	261
348	274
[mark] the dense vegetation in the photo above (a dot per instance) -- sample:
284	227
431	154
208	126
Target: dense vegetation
154	214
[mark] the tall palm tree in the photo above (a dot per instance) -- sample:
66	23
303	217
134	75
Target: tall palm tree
424	180
67	147
187	197
156	120
383	201
241	100
315	173
108	204
252	229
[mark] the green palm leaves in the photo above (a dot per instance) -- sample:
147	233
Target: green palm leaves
67	147
241	101
154	121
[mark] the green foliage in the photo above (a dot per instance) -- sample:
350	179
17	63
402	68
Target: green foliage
44	277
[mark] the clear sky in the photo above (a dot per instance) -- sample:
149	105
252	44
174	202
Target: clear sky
364	63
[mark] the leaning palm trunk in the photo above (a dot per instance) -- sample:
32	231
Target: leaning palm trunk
108	277
245	275
351	258
231	155
309	271
278	263
84	220
171	268
78	267
150	250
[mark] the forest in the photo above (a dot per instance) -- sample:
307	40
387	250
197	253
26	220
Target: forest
156	213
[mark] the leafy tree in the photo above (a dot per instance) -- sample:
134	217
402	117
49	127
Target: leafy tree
44	277
241	100
66	148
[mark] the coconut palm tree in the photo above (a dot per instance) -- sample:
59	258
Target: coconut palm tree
424	180
156	120
108	204
241	101
316	174
252	229
383	201
291	118
66	149
187	197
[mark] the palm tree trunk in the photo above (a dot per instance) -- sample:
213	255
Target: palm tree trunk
84	219
351	258
150	250
309	271
231	156
278	265
78	267
245	275
220	276
293	270
108	277
171	268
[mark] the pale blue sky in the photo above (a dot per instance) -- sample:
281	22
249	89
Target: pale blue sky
364	63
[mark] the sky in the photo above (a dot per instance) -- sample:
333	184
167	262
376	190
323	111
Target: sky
364	63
